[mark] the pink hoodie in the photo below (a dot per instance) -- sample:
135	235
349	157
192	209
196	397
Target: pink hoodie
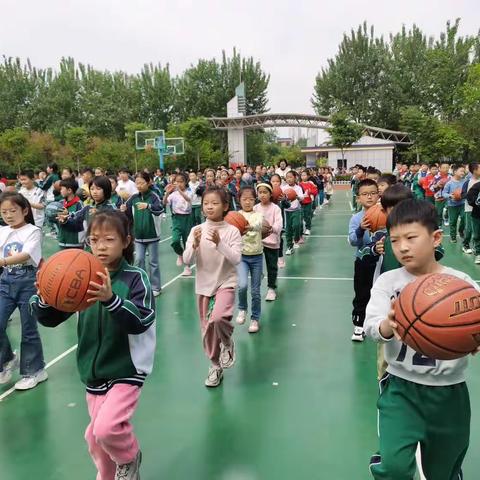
216	264
273	215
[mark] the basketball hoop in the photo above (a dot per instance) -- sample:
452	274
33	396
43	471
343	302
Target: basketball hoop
149	147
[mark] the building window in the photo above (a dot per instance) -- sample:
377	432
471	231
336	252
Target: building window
341	163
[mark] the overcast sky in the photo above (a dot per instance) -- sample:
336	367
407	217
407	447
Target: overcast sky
291	38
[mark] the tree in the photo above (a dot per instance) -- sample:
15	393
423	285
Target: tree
78	140
343	132
13	143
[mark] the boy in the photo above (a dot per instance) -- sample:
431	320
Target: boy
35	195
472	199
125	186
358	175
455	206
385	181
474	169
68	236
417	188
438	185
426	184
422	400
358	236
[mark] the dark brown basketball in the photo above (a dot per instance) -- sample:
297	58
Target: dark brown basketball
64	279
237	220
291	194
377	218
276	193
438	315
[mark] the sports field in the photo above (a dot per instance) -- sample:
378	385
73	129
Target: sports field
299	403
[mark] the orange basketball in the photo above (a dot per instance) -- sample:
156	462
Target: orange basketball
277	193
291	194
64	279
266	229
237	220
438	315
376	217
457	194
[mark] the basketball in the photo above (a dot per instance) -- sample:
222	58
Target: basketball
266	229
64	278
52	210
291	194
57	186
438	315
276	193
376	217
237	220
457	194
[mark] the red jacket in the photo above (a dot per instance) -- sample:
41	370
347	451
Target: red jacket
310	189
425	183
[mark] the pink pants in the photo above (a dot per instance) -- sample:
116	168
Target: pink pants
218	328
109	435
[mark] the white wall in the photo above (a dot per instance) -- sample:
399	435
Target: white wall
379	158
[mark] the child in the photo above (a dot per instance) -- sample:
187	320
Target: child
474	169
69	237
20	255
235	186
358	236
194	185
34	195
384	182
116	200
180	200
293	214
252	261
455	207
216	247
426	183
100	190
310	191
271	244
116	346
437	187
144	209
329	188
126	187
283	203
422	400
473	197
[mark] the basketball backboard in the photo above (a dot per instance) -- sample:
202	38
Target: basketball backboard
154	138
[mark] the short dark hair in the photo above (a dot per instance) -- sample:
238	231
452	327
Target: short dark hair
456	166
103	182
388	178
472	166
394	195
69	183
413	211
366	182
87	169
27	173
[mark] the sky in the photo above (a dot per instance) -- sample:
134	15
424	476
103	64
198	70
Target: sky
293	39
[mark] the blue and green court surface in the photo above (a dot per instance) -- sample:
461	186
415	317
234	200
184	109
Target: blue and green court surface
300	403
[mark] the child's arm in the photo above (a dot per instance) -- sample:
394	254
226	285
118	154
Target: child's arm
300	194
29	251
75	220
156	206
137	313
45	314
277	221
378	313
355	232
186	195
447	190
193	241
371	249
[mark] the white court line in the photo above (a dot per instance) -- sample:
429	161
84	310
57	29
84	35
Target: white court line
74	347
328	236
341	279
165	239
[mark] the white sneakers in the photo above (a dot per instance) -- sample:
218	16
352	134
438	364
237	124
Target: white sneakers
254	326
156	293
477	259
227	355
467	250
187	271
358	334
306	232
241	316
129	471
271	295
289	251
8	369
215	376
296	245
179	261
31	381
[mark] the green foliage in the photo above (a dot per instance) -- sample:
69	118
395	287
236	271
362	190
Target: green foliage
343	132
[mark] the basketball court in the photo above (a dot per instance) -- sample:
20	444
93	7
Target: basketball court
299	403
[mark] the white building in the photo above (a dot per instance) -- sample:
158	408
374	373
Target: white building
368	151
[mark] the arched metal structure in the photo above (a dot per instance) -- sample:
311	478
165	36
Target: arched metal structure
274	120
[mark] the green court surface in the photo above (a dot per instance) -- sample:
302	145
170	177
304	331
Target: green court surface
300	402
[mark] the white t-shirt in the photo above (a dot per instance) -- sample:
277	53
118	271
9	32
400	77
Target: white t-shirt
471	183
127	186
26	239
35	195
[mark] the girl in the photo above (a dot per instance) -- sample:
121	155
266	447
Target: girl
216	247
144	209
310	191
283	169
271	244
20	255
328	181
283	203
100	190
293	214
194	185
180	201
252	261
116	200
116	345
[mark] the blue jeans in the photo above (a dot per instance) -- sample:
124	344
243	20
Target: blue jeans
254	265
16	288
140	251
